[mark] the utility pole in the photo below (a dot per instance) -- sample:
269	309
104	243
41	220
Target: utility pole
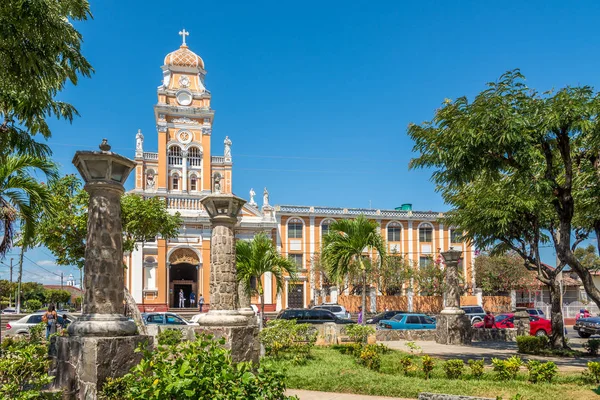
10	293
61	281
20	278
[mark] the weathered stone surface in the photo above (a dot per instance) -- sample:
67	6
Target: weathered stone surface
82	364
521	321
242	341
453	327
223	285
439	396
494	335
405	334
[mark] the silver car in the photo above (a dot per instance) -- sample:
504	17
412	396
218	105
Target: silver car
21	326
336	309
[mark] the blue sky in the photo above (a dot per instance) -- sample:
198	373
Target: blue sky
316	96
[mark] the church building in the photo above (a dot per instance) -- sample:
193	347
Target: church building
184	170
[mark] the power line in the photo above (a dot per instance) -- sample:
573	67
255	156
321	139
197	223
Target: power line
39	266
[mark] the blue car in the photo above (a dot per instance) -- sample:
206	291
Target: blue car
408	321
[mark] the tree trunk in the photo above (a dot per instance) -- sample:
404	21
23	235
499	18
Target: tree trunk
134	312
364	296
262	310
557	339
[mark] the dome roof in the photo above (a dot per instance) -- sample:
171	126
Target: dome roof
184	57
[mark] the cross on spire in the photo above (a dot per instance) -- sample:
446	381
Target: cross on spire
183	34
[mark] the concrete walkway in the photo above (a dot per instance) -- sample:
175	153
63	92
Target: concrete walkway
487	350
312	395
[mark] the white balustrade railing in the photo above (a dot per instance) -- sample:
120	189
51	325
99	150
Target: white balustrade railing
182	203
150	156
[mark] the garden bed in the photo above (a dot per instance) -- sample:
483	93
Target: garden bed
329	370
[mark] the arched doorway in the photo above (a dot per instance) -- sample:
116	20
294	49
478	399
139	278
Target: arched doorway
184	270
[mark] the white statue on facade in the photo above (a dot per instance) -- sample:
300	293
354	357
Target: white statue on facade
227	147
252	194
265	197
150	179
217	183
139	141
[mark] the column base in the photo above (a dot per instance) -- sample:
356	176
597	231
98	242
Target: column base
102	325
453	327
83	364
522	322
223	318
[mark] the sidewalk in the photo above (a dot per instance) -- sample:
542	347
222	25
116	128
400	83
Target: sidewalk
312	395
487	350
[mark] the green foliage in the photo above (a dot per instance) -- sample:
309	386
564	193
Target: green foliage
453	368
392	273
370	357
507	369
588	257
476	367
430	279
541	372
593	371
286	337
32	305
64	231
592	346
352	349
427	364
413	347
24	365
198	369
57	296
407	366
532	344
359	333
170	337
502	273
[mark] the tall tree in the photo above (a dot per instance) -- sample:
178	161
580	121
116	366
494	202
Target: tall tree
521	169
501	273
346	244
392	274
257	257
40	50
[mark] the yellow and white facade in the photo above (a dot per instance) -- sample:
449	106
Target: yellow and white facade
183	171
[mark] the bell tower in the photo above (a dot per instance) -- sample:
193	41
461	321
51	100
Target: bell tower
184	122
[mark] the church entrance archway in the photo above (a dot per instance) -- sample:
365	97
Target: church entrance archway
184	276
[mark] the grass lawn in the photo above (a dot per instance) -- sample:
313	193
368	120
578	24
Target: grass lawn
331	371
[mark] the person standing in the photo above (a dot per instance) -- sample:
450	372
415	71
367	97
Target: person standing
360	315
489	321
200	301
50	318
181	299
192	299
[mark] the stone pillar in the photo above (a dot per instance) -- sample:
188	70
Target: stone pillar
102	342
453	326
521	321
224	320
479	295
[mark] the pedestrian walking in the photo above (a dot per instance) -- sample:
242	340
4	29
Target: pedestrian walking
181	299
489	321
200	301
50	318
360	315
192	299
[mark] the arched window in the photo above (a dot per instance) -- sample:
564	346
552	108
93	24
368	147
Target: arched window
174	155
193	183
325	227
456	236
295	229
175	182
426	233
194	157
394	230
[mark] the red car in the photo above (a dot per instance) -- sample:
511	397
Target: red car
538	326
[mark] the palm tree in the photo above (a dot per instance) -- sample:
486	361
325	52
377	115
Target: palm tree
344	248
255	258
22	196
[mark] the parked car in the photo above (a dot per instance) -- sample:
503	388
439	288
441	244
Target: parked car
536	312
9	310
312	316
408	321
164	318
475	313
21	326
336	309
537	326
383	315
587	327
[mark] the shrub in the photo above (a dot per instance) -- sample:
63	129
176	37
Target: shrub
507	369
532	344
453	368
593	371
195	369
352	349
406	365
286	336
359	333
427	365
369	357
592	346
169	337
476	368
413	347
32	305
541	372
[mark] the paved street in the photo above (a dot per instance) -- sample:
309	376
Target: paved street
312	395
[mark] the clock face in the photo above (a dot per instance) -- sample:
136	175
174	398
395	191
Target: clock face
184	97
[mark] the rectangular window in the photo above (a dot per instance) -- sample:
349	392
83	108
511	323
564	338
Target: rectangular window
295	230
425	261
193	185
425	234
455	236
297	259
175	182
394	234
